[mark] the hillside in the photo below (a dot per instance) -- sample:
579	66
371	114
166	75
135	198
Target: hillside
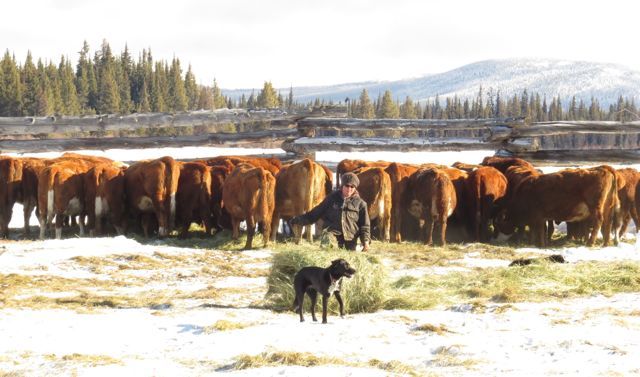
606	82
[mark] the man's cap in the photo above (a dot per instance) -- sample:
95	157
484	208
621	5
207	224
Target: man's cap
349	179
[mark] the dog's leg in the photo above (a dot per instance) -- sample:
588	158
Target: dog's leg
339	298
314	298
300	302
325	300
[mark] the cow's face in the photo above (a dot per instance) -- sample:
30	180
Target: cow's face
415	208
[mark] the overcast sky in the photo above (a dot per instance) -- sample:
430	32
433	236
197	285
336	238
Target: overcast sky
243	43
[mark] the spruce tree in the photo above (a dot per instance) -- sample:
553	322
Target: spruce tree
388	108
30	85
268	97
191	89
218	100
68	92
177	94
366	109
407	109
10	87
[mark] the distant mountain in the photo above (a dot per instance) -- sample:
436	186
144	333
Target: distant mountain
603	81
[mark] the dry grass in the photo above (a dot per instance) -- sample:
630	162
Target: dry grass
88	360
305	359
429	328
225	325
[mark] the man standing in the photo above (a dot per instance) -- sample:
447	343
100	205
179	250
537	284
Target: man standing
344	213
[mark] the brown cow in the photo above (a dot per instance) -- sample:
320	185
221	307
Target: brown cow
348	165
220	215
271	164
249	194
10	190
483	187
399	178
299	187
193	197
569	195
105	198
628	197
431	196
375	190
150	188
61	193
503	163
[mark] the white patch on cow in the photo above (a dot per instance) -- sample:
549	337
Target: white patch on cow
102	206
145	204
50	202
381	207
73	207
173	205
450	207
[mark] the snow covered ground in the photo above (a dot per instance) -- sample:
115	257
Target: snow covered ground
183	334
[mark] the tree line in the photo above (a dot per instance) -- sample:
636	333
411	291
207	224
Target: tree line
107	83
490	104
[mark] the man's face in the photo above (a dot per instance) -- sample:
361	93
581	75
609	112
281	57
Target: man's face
348	190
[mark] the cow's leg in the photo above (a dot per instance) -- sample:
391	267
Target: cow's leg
275	221
429	223
27	209
266	232
251	230
443	231
59	224
235	228
597	221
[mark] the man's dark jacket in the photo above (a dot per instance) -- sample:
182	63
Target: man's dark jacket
347	217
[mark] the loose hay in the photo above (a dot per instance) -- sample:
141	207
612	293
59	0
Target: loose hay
364	292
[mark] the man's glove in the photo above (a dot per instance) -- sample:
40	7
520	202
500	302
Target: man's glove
296	220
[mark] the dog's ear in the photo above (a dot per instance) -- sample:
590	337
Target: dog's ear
335	262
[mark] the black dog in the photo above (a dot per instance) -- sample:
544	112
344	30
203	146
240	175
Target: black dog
555	258
324	280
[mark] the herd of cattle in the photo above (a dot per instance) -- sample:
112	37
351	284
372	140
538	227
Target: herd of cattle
405	202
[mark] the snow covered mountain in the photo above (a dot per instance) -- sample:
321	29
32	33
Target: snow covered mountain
603	81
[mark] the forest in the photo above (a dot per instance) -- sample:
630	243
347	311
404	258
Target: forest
108	83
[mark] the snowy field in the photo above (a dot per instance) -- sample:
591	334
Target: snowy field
201	312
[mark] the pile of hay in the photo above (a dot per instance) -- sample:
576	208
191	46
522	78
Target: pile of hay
364	292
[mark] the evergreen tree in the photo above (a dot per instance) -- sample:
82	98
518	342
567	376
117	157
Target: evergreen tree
407	109
30	84
289	100
251	102
388	108
68	92
83	82
205	99
366	110
268	97
45	103
10	87
56	88
177	92
191	89
218	100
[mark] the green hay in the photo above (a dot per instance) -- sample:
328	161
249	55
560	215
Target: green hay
364	292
